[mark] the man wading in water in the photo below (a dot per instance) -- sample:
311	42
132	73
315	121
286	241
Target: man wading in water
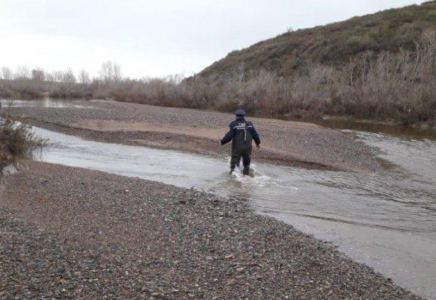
242	133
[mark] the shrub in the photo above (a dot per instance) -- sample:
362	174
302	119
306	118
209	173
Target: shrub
17	141
20	89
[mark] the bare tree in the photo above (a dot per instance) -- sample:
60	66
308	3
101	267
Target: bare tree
110	72
38	75
7	73
22	73
57	76
116	72
68	76
84	77
49	77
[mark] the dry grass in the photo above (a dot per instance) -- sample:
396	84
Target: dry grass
387	86
395	86
333	44
21	89
17	141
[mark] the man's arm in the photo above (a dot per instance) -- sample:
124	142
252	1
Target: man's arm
228	137
255	135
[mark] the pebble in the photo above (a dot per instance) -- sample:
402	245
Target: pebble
135	254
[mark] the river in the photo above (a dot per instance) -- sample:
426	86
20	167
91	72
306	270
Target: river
386	220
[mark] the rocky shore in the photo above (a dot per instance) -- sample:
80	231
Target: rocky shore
68	233
285	143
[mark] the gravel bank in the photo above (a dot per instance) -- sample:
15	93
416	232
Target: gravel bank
70	233
290	143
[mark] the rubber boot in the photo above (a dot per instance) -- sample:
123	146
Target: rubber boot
232	169
246	170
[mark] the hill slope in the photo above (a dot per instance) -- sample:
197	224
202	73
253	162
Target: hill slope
332	44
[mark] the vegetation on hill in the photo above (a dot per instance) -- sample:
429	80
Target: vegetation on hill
334	44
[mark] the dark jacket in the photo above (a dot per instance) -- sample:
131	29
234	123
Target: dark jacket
241	133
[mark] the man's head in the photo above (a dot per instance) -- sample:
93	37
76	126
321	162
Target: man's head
240	113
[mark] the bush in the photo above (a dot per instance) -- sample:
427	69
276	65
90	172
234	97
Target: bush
7	93
20	89
16	142
396	86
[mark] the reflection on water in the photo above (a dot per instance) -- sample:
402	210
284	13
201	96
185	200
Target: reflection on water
47	102
386	220
405	132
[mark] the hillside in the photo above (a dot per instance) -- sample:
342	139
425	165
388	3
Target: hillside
332	44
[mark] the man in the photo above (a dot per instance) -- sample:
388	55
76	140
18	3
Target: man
241	133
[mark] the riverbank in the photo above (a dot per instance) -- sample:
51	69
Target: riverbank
284	143
74	233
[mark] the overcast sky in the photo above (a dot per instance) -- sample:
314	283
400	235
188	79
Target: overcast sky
155	37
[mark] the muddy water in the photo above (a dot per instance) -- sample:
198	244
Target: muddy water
386	220
48	102
400	131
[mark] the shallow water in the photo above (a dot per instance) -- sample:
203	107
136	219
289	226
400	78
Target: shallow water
48	102
386	220
405	132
